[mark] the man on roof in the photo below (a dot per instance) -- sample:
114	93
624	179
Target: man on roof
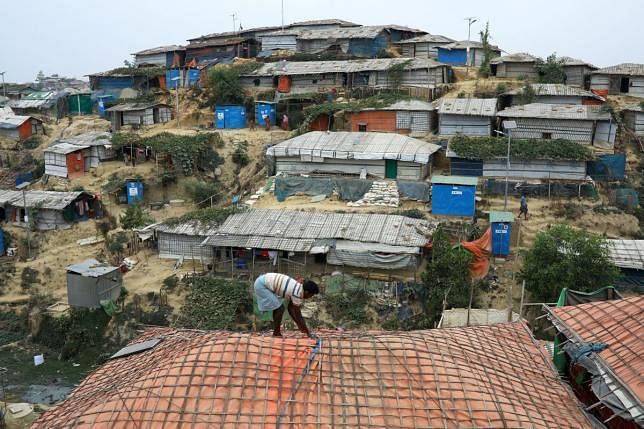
273	290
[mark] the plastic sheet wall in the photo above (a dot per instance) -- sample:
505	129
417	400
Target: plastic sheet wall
420	191
348	189
607	167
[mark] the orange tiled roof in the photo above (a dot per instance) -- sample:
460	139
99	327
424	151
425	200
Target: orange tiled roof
484	376
618	323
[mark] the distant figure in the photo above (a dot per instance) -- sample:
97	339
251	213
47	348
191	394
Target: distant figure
267	120
285	122
271	292
251	123
523	209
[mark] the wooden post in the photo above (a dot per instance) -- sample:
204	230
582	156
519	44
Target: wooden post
232	263
521	304
469	305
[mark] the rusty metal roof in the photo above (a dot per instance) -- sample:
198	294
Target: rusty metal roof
485	376
619	367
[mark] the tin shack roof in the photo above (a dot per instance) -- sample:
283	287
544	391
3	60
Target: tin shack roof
44	199
128	107
619	367
11	121
555	111
627	253
38	100
65	148
160	50
463	44
454	180
299	231
428	38
356	145
631	69
350	66
482	376
570	61
407	105
91	268
91	138
519	57
557	89
468	106
192	227
329	21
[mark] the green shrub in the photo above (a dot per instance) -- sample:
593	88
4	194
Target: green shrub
520	149
171	282
349	307
28	277
240	156
135	216
200	191
32	142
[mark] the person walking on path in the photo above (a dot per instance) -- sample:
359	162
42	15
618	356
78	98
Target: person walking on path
285	122
271	292
523	208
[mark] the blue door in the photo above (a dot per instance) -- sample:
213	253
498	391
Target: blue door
501	238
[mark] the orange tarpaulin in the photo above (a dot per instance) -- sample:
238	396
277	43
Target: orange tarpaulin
481	249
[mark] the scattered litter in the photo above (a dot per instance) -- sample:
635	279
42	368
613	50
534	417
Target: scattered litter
39	360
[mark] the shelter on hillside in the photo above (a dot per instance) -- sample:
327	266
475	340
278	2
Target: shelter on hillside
71	157
515	66
382	155
18	127
553	93
460	317
91	283
628	256
413	117
621	79
634	118
467	116
590	125
577	71
49	103
163	56
139	114
125	82
284	238
48	209
483	376
425	46
181	240
325	76
80	103
603	346
464	53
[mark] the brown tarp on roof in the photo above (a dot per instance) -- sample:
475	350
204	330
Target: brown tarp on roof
485	376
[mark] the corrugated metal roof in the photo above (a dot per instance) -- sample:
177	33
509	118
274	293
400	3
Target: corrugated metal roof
463	44
299	230
619	367
501	216
91	268
91	138
331	21
12	121
356	145
362	32
483	376
160	50
632	69
570	61
454	180
408	105
127	107
65	148
555	111
350	66
45	199
428	38
519	57
193	227
557	89
627	253
39	99
468	106
633	108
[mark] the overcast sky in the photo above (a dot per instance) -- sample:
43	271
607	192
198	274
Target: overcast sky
77	37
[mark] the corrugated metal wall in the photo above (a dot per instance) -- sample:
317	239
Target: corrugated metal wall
415	122
455	57
449	125
466	167
515	70
576	75
288	42
293	165
637	86
87	292
605	132
155	59
635	122
564	170
533	128
175	246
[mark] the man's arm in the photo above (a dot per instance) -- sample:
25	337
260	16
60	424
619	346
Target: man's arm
296	314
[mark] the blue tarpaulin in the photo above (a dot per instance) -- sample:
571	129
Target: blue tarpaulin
607	167
24	177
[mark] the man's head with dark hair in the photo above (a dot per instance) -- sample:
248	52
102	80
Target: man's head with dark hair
310	288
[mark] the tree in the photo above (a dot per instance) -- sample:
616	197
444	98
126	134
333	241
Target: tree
223	86
135	216
551	71
447	278
564	257
484	69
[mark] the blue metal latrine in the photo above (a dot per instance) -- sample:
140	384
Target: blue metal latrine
230	117
501	225
453	195
134	192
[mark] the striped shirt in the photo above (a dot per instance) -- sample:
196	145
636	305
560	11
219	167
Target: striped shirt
284	287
